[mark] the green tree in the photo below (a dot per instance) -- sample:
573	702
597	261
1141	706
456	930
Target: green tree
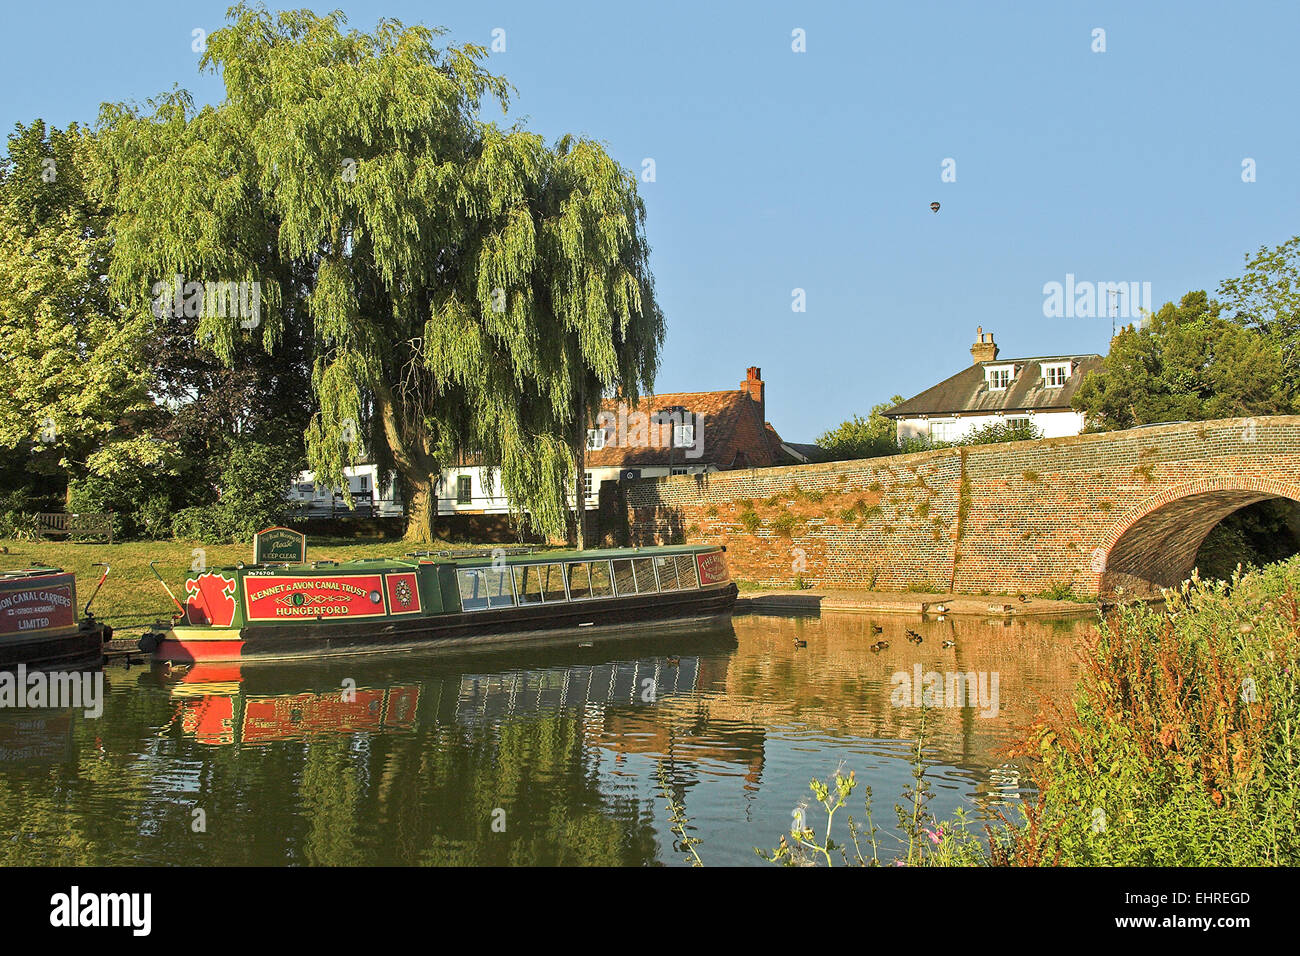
860	437
1266	298
74	377
1187	363
465	288
995	432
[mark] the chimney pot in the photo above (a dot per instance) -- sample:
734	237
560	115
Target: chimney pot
984	349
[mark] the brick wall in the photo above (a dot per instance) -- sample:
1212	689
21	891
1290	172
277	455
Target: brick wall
1096	512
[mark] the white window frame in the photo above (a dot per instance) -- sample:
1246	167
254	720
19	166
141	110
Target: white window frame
595	439
684	435
995	372
943	422
1050	367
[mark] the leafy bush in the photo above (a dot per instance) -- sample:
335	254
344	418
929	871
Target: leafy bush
18	525
1060	591
254	485
93	494
199	523
1182	745
861	437
15	499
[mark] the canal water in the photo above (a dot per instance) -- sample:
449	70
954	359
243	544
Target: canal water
540	757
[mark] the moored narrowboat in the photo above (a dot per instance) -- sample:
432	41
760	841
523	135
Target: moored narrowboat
327	607
39	626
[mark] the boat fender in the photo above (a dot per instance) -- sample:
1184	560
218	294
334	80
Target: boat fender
108	633
149	642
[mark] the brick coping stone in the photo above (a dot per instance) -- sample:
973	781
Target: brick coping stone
895	602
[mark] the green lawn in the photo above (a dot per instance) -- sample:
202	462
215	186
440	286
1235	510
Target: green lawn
132	598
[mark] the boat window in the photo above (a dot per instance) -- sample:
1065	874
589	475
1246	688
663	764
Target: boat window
528	584
601	585
552	576
645	575
482	588
666	568
579	586
624	582
686	575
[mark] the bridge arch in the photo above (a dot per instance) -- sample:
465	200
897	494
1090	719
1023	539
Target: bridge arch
1154	544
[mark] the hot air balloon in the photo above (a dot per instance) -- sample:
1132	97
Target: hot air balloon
934	207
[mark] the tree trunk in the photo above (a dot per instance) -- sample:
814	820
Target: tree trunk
579	485
418	468
421	510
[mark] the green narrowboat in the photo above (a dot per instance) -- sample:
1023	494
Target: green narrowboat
425	599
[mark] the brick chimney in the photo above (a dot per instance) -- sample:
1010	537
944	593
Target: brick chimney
983	350
754	388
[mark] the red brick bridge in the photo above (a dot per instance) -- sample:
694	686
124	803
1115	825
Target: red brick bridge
1118	513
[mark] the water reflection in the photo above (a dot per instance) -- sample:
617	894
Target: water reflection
546	757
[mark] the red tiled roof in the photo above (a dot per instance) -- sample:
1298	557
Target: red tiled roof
734	434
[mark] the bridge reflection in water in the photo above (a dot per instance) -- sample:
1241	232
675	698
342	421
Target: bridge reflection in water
405	759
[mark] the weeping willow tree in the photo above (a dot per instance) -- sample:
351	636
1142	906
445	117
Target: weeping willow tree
471	292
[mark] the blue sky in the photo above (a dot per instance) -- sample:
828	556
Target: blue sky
778	170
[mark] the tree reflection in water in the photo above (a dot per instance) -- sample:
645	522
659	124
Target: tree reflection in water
544	757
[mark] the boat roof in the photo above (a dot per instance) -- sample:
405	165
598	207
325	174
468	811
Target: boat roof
594	554
480	557
29	573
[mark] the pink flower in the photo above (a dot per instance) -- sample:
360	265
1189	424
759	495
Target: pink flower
935	835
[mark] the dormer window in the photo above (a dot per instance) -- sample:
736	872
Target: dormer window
999	376
595	439
1055	374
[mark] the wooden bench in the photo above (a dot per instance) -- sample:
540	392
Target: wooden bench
74	527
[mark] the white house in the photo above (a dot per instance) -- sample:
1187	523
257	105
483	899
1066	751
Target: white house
1035	391
673	434
322	501
680	433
